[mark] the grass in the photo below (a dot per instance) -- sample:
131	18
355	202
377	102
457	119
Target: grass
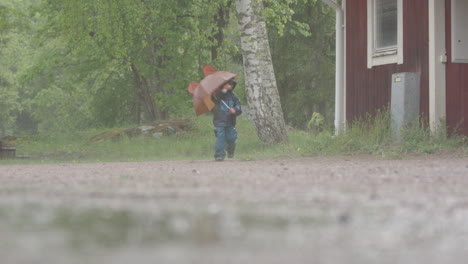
365	136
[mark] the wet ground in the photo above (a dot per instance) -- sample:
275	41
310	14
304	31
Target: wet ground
305	210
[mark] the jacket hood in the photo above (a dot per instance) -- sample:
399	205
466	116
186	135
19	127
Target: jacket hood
233	83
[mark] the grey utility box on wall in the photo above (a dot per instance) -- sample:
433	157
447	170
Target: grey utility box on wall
405	100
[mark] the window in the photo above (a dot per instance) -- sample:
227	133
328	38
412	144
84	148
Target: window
384	32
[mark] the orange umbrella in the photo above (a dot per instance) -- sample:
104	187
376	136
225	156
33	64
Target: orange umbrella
202	91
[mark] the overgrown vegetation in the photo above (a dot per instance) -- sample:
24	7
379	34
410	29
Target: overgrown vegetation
81	65
366	136
373	135
74	69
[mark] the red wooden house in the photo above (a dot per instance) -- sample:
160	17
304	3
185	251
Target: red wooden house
430	37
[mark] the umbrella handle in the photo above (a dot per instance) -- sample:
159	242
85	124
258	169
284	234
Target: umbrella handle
228	107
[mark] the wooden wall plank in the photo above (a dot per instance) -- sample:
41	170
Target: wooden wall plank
370	89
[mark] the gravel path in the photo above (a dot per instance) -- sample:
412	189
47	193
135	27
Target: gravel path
304	210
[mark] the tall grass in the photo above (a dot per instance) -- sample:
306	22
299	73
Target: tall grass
373	135
198	143
369	135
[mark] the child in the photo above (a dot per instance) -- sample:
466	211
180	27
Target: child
227	108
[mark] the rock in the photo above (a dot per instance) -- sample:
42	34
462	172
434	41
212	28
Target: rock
155	129
158	134
144	129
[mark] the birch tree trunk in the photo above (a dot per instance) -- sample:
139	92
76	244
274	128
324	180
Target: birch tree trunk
261	90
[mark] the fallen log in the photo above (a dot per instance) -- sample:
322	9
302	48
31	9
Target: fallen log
155	129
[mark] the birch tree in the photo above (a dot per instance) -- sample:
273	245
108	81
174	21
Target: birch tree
261	90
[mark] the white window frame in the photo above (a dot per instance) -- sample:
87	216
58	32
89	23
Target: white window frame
390	56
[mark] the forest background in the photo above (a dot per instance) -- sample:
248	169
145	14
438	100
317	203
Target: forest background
74	65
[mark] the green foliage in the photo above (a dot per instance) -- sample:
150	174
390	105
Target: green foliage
130	57
8	104
79	64
417	136
14	24
373	135
370	134
4	18
60	111
279	14
305	73
114	104
316	122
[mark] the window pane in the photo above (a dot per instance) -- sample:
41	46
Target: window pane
385	23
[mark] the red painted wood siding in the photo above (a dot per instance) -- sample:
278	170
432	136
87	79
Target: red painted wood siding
370	89
456	85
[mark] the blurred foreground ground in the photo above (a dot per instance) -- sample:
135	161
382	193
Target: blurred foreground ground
306	210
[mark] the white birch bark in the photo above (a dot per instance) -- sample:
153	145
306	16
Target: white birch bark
261	90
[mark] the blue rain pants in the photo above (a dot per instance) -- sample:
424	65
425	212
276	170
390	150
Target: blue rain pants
225	142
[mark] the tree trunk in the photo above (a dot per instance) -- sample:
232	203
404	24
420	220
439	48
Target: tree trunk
145	95
262	92
222	20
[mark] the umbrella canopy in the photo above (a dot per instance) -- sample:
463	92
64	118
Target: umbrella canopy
202	91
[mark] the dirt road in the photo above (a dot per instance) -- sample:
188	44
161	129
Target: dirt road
306	210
